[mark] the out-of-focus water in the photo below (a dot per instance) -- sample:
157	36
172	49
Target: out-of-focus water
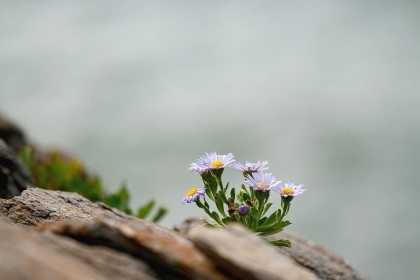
327	91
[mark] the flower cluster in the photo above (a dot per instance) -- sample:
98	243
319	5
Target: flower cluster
249	205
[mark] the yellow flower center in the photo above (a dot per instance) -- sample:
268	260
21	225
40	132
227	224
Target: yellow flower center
287	191
216	164
192	191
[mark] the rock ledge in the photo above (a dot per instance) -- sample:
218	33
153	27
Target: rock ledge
59	235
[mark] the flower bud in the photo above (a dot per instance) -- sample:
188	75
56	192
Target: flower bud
243	210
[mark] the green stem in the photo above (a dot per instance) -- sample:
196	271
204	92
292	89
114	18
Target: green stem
285	208
207	210
219	195
222	189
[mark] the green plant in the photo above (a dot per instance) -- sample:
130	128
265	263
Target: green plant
250	204
56	171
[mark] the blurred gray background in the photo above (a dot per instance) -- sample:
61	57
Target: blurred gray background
327	91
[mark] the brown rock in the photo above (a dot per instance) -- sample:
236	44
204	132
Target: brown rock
242	255
85	238
109	263
165	251
97	224
320	260
36	206
24	255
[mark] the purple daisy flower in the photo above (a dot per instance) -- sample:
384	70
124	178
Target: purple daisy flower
289	189
262	181
210	161
193	194
251	167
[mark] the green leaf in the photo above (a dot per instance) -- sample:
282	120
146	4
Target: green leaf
270	220
273	228
120	199
210	184
145	210
214	214
281	243
161	212
209	193
199	204
219	204
227	220
222	194
267	206
232	194
226	187
206	204
261	221
253	218
216	217
244	195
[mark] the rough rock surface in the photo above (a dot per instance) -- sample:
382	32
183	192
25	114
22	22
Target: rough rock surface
28	254
243	255
100	241
98	225
162	249
320	260
316	258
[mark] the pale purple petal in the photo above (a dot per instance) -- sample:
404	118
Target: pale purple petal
193	198
285	188
262	181
203	164
251	167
